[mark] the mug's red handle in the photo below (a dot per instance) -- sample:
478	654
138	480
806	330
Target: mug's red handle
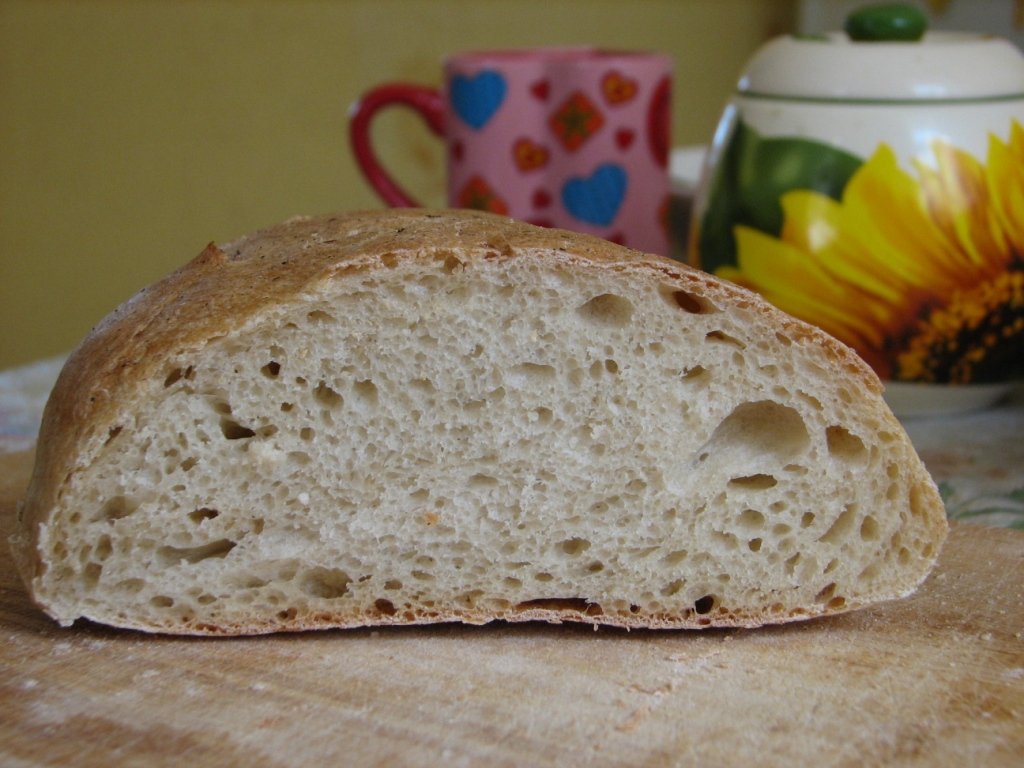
423	100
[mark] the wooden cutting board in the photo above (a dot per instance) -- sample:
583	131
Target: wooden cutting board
936	680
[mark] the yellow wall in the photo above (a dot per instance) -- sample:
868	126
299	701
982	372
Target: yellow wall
133	133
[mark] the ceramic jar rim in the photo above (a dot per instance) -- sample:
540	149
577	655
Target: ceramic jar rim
942	67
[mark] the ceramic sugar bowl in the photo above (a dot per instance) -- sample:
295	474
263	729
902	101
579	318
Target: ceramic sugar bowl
871	182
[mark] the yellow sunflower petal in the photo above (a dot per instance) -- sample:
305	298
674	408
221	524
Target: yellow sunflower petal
886	213
957	196
1005	180
851	253
792	280
815	223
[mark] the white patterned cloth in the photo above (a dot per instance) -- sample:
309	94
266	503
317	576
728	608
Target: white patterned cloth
23	394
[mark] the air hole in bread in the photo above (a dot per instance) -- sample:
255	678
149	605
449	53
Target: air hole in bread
232	430
675	557
758	432
639	553
91	574
698	374
672	588
869	529
577	604
117	507
480	480
202	514
608	309
161	601
754	545
845	446
366	392
704	605
167	555
177	374
574	546
543	415
726	541
756	482
526	374
751	520
327	396
842	526
690	302
271	370
298	458
724	338
104	548
814	402
325	583
385	606
870	573
792	561
828	596
130	586
450	262
319	316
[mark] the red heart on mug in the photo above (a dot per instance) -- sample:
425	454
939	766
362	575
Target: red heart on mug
541	89
541	199
624	137
457	151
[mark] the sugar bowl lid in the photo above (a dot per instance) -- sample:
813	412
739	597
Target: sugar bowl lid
886	54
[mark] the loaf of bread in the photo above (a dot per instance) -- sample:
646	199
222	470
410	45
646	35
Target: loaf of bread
422	416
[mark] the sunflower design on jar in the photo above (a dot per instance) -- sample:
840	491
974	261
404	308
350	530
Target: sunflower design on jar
870	181
920	270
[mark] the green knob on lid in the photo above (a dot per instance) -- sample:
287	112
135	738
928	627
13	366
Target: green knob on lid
887	22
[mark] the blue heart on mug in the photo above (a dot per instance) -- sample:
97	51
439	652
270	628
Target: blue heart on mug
596	200
476	99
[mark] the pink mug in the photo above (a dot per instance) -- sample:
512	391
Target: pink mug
576	138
